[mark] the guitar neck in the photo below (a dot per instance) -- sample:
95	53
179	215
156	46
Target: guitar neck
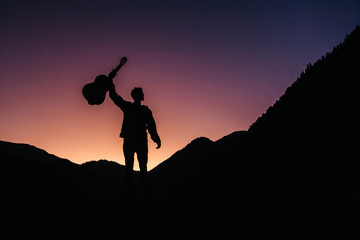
117	68
113	73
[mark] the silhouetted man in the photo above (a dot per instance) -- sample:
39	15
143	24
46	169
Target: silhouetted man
137	119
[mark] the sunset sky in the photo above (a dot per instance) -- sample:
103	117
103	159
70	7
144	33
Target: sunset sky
207	68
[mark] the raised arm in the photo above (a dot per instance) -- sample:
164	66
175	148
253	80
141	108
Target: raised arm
117	99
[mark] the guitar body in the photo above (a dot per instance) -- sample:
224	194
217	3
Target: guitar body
95	92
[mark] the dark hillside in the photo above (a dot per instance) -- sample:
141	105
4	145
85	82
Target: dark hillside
305	144
44	196
28	153
294	171
316	119
322	102
196	191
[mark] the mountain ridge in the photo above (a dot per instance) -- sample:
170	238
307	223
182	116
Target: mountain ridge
28	152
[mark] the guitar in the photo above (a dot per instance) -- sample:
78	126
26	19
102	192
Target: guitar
95	92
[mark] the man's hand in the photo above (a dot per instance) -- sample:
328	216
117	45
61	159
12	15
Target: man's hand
158	145
111	85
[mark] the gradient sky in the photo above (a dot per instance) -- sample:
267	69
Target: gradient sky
207	68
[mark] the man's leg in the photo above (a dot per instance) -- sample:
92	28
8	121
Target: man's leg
142	156
128	150
143	159
145	205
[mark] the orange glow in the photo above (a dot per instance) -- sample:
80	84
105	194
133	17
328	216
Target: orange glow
56	118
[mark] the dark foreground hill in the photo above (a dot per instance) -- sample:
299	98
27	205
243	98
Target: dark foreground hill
47	196
306	143
293	174
44	196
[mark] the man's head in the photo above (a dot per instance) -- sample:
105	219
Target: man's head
137	94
